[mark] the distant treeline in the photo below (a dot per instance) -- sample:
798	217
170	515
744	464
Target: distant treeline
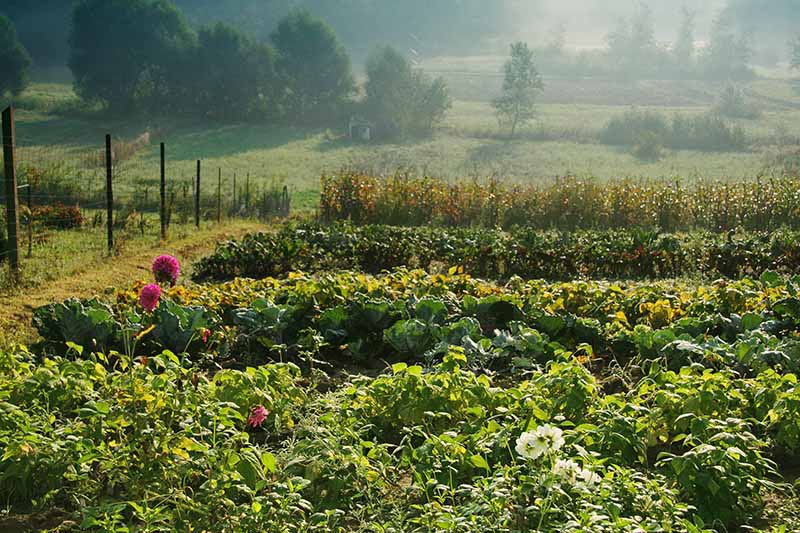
431	28
133	55
149	55
633	51
428	27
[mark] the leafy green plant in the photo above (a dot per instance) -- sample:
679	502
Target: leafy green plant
496	254
90	324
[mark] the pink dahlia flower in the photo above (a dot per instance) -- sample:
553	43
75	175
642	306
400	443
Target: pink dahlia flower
149	297
257	416
166	269
205	335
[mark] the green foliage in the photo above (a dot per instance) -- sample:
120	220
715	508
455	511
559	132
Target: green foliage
14	60
235	76
671	401
496	254
521	84
627	129
100	444
706	132
92	326
402	100
115	439
727	55
632	45
683	51
313	66
47	48
411	316
88	324
732	103
127	54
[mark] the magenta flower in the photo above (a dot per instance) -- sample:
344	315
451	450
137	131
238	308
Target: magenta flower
257	416
205	335
149	297
166	269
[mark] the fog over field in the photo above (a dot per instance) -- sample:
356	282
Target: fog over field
444	27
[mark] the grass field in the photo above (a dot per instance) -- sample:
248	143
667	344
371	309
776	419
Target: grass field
563	139
75	263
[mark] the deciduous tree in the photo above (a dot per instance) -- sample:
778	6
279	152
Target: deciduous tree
516	105
127	53
14	60
403	100
313	66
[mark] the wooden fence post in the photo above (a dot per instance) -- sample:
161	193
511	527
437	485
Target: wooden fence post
12	202
197	198
163	211
109	194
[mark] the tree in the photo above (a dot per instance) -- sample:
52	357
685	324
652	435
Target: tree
632	45
796	54
14	60
235	75
313	66
128	53
400	99
728	53
522	83
42	28
683	51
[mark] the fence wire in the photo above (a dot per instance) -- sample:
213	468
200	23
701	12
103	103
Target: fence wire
63	188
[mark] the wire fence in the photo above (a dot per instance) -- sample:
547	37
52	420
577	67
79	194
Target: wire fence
66	188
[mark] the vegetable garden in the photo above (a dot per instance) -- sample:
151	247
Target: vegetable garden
385	379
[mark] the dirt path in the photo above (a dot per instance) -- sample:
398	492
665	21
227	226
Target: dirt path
105	275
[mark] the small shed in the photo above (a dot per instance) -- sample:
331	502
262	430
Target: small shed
360	129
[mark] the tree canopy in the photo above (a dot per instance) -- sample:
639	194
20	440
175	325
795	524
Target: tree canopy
521	85
14	59
234	75
313	67
729	51
124	52
403	100
633	45
47	47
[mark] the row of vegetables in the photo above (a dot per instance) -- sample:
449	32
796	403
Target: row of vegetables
353	318
497	254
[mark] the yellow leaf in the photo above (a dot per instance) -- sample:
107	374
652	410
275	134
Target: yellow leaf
180	452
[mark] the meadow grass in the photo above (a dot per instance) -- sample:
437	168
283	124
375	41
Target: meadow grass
76	264
562	140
